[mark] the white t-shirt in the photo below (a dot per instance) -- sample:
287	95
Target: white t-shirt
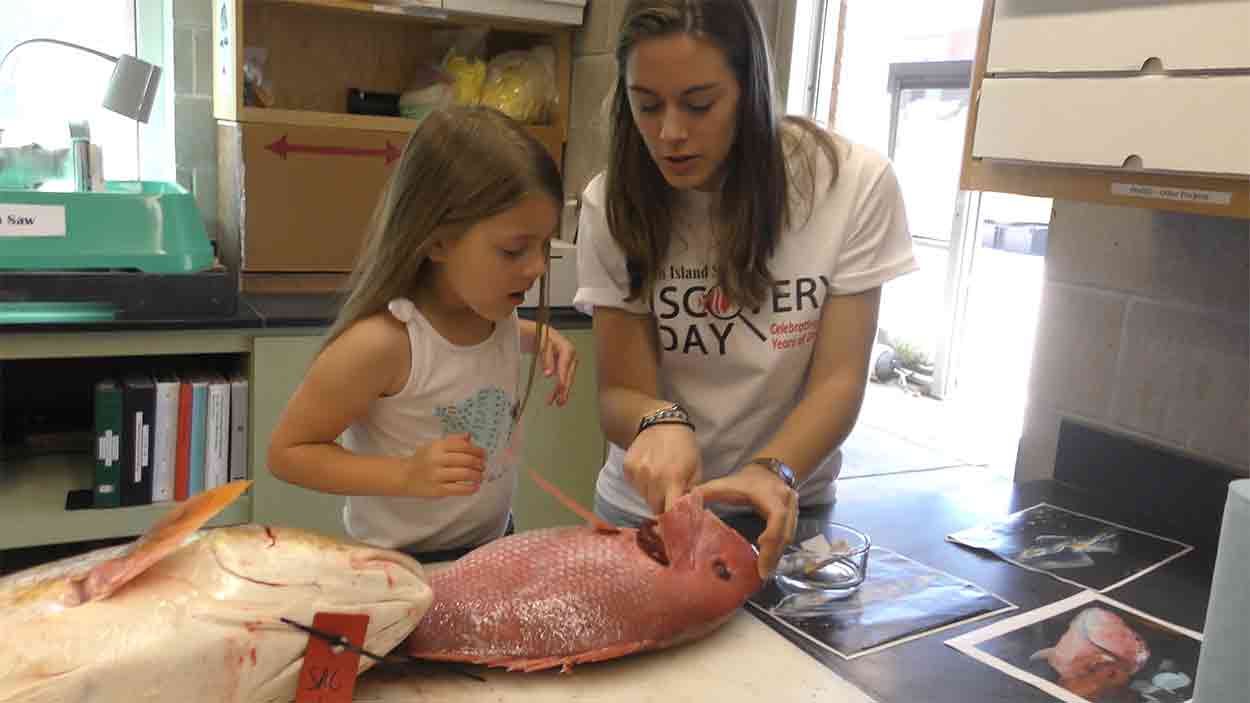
740	375
451	389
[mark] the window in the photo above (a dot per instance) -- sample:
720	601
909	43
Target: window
927	119
44	86
809	90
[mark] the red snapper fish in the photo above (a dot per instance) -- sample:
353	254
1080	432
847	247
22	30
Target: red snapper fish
1097	653
569	595
193	615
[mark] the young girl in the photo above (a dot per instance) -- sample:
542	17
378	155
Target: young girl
419	378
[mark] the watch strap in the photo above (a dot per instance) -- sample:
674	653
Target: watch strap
780	468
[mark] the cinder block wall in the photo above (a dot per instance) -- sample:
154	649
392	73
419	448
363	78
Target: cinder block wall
1145	331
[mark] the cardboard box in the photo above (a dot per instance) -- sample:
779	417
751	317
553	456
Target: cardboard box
305	194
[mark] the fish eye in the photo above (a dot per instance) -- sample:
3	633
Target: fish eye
722	571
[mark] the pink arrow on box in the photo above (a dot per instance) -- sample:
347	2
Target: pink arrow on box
282	147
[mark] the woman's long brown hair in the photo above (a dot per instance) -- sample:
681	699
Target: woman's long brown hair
460	166
755	201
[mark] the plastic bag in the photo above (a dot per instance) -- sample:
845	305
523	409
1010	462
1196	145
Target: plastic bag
431	88
522	84
257	90
465	64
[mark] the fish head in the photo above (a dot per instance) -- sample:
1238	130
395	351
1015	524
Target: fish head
1109	632
729	561
276	564
264	573
258	576
721	565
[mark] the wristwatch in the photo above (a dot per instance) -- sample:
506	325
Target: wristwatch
777	466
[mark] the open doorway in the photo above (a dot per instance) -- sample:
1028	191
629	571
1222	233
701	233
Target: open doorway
955	339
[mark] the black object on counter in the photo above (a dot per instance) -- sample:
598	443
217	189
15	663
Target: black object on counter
134	294
364	102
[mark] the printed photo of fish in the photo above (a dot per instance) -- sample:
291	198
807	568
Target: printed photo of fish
900	600
1072	547
1091	649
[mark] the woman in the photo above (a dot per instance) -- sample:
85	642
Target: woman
733	261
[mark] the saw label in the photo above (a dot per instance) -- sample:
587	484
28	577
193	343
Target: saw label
32	220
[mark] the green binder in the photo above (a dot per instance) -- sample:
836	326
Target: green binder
108	444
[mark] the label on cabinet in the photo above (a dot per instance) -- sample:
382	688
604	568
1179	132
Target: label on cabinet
1188	195
32	220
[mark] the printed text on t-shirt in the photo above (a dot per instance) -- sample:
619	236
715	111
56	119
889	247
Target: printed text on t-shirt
694	317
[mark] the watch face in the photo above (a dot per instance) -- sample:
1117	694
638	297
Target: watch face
786	473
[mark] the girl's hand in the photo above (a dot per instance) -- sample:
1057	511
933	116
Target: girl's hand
663	464
451	466
776	502
559	358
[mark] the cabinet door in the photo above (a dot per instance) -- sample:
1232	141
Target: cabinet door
278	366
562	444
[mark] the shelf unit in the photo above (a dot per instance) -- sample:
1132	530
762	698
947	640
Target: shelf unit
29	500
298	180
1114	45
34	485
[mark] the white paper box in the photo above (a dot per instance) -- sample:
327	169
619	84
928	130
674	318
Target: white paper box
1030	36
1173	124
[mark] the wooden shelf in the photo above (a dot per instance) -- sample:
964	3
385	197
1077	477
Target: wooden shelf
305	219
311	118
32	501
419	13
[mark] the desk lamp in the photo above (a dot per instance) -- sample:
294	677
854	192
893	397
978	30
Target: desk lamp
132	87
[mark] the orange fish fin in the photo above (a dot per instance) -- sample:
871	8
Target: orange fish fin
162	538
564	662
597	522
610	652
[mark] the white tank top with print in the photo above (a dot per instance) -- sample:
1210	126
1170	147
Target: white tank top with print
451	389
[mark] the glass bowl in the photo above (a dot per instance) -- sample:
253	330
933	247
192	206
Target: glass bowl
830	561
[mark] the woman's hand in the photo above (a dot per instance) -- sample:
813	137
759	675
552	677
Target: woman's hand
776	502
663	464
451	466
559	358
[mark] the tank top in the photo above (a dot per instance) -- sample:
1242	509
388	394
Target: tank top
451	389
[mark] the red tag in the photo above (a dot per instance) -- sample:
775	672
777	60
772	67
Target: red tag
329	677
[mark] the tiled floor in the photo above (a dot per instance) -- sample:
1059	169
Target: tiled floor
898	432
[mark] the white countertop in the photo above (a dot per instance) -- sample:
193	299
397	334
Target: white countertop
742	661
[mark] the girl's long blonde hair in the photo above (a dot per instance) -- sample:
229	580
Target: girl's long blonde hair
460	166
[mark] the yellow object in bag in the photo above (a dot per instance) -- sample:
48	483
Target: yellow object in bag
521	84
469	75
